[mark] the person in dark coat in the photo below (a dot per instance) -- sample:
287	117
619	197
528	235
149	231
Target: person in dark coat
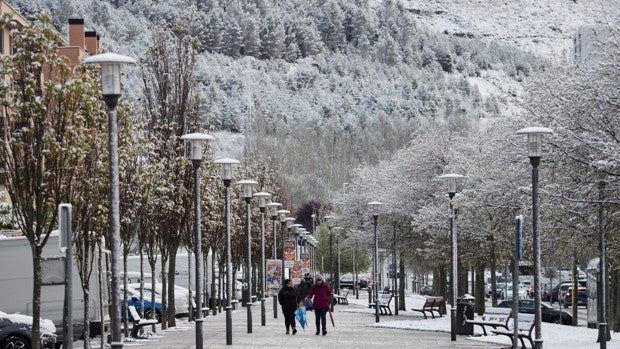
288	299
321	295
302	289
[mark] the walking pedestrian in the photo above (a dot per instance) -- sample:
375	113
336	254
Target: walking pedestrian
289	300
321	294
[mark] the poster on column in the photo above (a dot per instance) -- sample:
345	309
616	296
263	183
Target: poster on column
296	274
274	276
289	253
305	263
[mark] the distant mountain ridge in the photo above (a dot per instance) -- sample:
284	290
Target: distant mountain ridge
545	28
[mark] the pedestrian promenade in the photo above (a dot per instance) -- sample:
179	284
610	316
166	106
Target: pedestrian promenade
352	330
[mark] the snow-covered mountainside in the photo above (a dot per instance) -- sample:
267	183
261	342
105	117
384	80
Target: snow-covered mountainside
545	28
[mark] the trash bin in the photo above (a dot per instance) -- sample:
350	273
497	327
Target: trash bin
465	310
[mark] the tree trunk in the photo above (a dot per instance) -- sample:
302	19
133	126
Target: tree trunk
125	301
479	288
171	313
615	300
493	267
164	292
575	289
401	281
86	271
36	296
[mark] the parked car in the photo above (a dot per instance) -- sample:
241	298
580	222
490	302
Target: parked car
150	311
426	290
582	297
181	296
526	306
16	331
554	294
346	281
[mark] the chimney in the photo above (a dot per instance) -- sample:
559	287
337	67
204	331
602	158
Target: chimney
76	32
92	42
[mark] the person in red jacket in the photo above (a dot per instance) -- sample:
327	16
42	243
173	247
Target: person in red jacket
321	295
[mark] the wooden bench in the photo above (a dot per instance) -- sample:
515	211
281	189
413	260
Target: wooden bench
430	305
525	325
494	317
138	322
383	300
342	297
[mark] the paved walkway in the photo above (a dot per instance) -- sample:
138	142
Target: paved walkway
353	330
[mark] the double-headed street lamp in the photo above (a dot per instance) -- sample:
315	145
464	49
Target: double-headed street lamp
273	211
111	90
246	186
227	173
534	146
262	204
282	217
196	141
375	206
452	179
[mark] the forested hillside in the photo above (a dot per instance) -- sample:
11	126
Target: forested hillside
317	88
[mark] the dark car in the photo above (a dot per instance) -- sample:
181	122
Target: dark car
582	297
426	290
362	281
526	306
554	294
16	331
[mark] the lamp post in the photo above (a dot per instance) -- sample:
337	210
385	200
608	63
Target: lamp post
262	204
394	276
356	290
375	207
273	210
196	141
111	90
296	233
337	231
452	178
246	186
534	141
227	172
329	220
282	217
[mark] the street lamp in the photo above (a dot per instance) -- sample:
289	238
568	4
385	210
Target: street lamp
111	90
375	206
296	233
395	273
452	179
246	186
262	203
329	220
282	217
337	231
227	173
196	141
534	146
273	210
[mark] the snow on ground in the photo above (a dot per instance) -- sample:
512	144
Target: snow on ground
554	336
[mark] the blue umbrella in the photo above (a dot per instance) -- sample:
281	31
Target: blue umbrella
300	314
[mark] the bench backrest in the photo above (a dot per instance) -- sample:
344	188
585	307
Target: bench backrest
385	298
433	302
525	322
134	313
497	315
344	292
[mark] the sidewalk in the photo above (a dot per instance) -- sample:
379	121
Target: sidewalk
353	330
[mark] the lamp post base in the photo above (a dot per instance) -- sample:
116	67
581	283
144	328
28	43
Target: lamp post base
453	323
228	325
263	320
538	343
249	312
